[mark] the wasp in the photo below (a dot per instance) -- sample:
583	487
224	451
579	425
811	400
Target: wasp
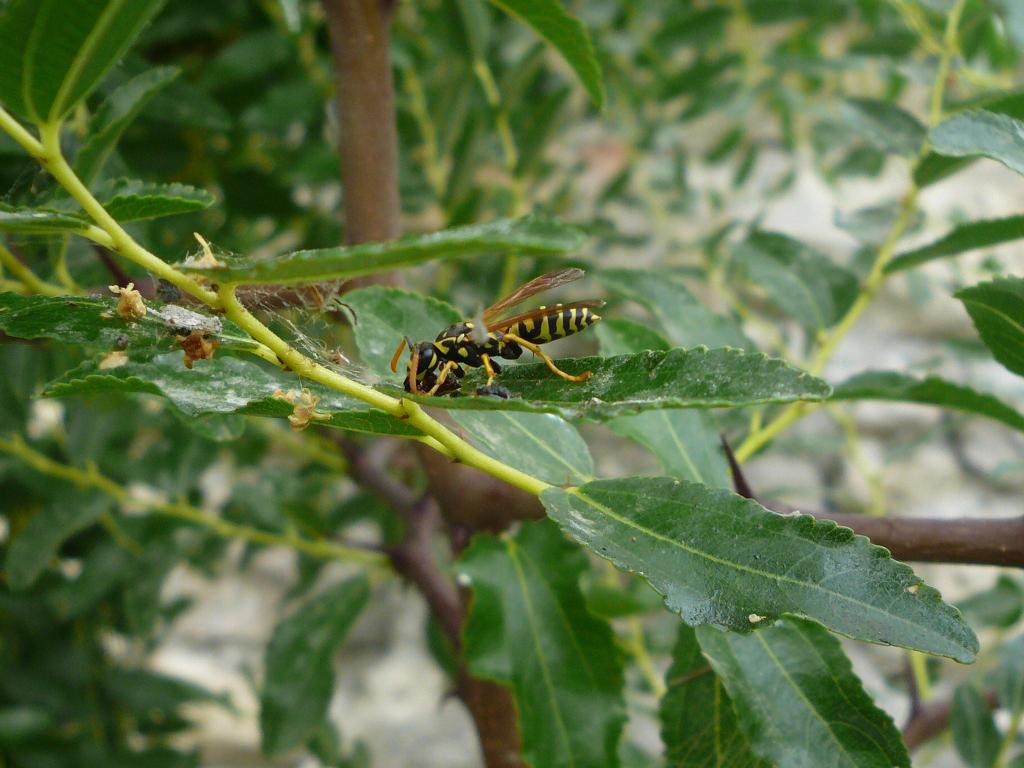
435	367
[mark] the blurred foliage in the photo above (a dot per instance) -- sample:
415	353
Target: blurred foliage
712	112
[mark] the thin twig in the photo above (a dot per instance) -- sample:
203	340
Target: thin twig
413	557
91	478
120	276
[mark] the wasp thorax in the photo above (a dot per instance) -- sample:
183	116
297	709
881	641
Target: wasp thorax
425	351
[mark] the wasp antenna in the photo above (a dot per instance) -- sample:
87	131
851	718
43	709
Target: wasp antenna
398	353
414	365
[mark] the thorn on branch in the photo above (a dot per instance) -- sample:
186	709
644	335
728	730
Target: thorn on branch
739	481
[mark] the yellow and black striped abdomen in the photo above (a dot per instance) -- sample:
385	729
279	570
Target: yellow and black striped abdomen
556	322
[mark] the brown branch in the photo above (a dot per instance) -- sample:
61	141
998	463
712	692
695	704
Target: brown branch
933	718
473	501
489	703
969	541
365	97
368	146
413	558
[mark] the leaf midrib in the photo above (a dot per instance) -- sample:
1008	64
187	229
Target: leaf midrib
682	449
538	649
999	313
575	472
748	569
74	71
803	697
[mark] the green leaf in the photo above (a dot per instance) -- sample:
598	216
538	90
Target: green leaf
224	385
679	378
684	442
565	34
685	320
528	628
39	221
53	53
932	390
620	336
132	200
115	115
724	560
1001	606
539	444
974	730
689	26
477	24
884	125
698	725
93	323
383	316
299	675
966	237
291	10
526	235
38	542
797	697
143	691
997	309
1010	676
800	281
21	724
935	167
254	56
978	132
614	602
106	566
872	225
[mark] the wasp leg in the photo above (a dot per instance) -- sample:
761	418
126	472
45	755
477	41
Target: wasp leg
489	367
448	366
547	359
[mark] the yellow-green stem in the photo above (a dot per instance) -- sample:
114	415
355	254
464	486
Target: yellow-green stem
913	17
18	132
873	476
299	363
119	535
747	41
435	434
1009	738
28	278
949	46
91	478
433	168
462	451
510	153
14	287
638	645
120	241
308	443
919	669
793	413
60	266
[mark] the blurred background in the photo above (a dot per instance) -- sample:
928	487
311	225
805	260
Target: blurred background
720	118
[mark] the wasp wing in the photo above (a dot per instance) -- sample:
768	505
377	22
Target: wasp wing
525	291
533	314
